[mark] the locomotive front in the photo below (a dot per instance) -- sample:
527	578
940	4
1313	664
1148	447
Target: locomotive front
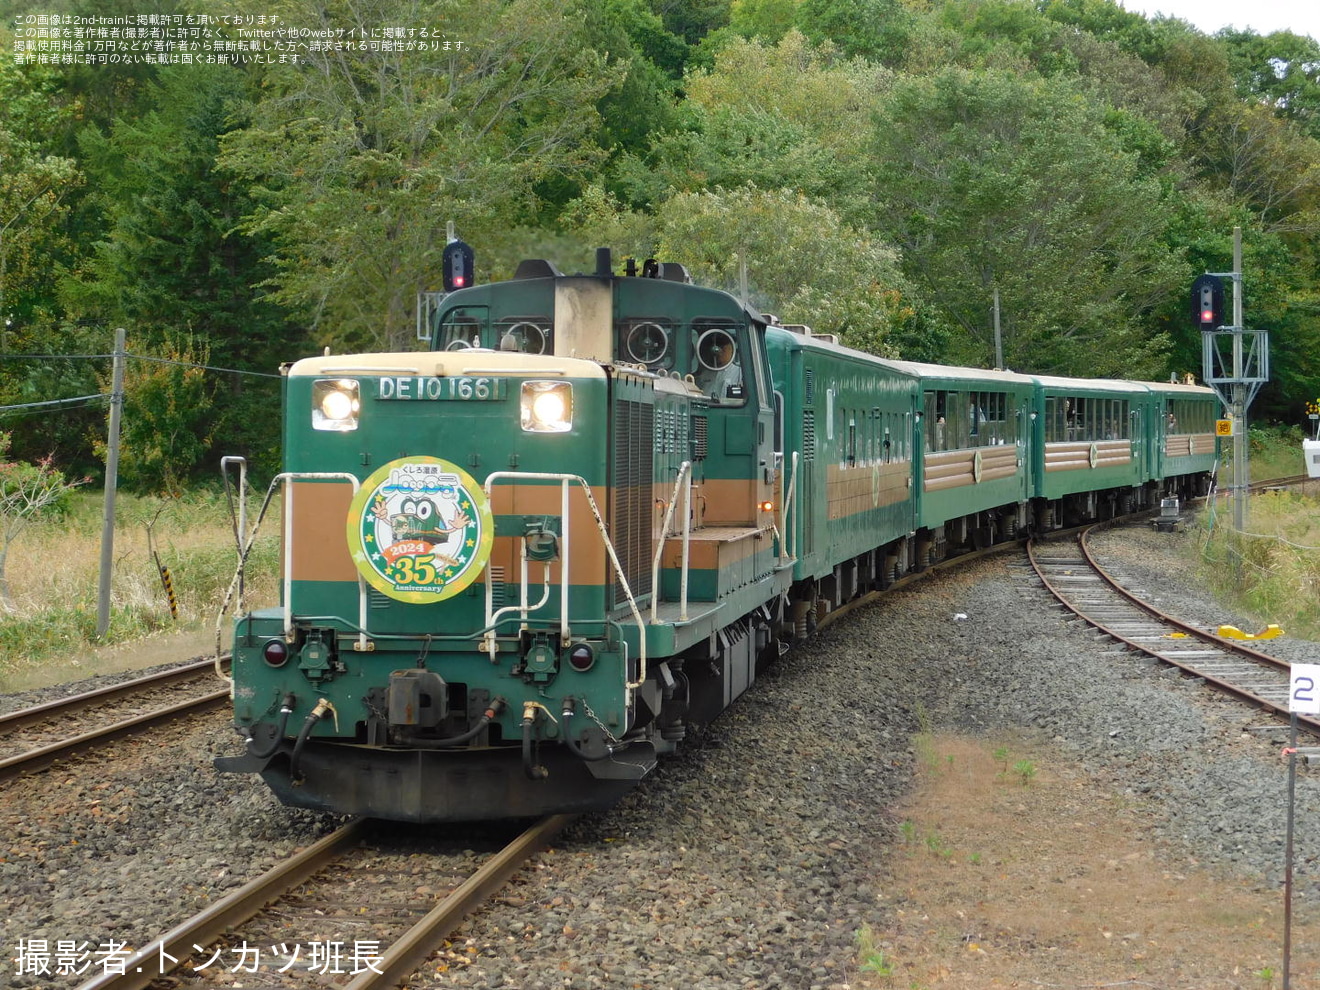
466	534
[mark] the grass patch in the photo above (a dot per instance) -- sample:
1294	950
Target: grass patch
870	956
54	567
1272	452
1271	571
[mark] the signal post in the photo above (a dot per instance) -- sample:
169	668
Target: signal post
1235	362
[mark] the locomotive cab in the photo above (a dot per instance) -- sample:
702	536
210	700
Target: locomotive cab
519	565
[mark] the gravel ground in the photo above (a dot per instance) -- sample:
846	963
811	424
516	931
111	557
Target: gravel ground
752	860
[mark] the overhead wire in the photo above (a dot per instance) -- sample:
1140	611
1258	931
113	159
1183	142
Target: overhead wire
75	402
81	401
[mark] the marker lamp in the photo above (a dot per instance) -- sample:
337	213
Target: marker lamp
546	407
335	404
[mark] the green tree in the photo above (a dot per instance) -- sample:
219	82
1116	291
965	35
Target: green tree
766	20
1281	68
166	426
787	115
647	62
171	261
358	159
1265	163
873	29
994	181
803	262
34	186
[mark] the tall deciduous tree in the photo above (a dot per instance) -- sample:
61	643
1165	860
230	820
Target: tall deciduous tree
786	115
802	260
992	181
171	263
1281	68
34	184
359	158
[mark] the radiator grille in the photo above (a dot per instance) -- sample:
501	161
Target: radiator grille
630	513
808	386
808	434
700	443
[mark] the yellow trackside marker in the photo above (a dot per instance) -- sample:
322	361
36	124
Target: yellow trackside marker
1233	632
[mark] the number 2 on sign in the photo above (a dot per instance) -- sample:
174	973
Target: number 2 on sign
1304	689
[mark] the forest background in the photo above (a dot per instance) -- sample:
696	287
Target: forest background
883	167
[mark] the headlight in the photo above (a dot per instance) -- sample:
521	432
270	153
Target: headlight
547	407
335	404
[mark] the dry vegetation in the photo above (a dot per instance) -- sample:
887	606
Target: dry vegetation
1016	869
54	568
1272	569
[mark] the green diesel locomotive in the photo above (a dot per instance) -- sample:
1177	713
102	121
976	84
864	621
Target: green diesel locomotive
521	565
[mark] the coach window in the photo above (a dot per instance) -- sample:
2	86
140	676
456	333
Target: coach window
1191	416
1080	423
1053	425
937	427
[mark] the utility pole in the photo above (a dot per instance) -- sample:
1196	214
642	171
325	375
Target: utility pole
111	485
1235	363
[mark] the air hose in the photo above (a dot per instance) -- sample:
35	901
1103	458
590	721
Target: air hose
573	745
309	723
286	709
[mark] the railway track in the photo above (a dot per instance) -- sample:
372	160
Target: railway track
33	738
1072	575
344	912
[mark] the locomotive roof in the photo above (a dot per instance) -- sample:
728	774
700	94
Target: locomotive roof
472	361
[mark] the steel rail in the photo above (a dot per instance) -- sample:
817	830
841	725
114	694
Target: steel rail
161	956
1203	665
417	944
144	967
24	717
44	756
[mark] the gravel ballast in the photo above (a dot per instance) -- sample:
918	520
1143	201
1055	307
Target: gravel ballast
751	860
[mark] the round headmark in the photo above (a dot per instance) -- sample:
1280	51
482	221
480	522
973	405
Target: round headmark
420	529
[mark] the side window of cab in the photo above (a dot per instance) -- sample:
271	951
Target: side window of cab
718	362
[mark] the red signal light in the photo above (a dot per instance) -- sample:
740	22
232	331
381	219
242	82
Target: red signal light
1207	311
458	263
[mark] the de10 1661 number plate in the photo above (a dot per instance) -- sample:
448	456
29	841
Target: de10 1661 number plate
431	388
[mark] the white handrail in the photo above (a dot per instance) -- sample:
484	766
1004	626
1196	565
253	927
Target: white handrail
684	474
785	520
285	478
565	556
